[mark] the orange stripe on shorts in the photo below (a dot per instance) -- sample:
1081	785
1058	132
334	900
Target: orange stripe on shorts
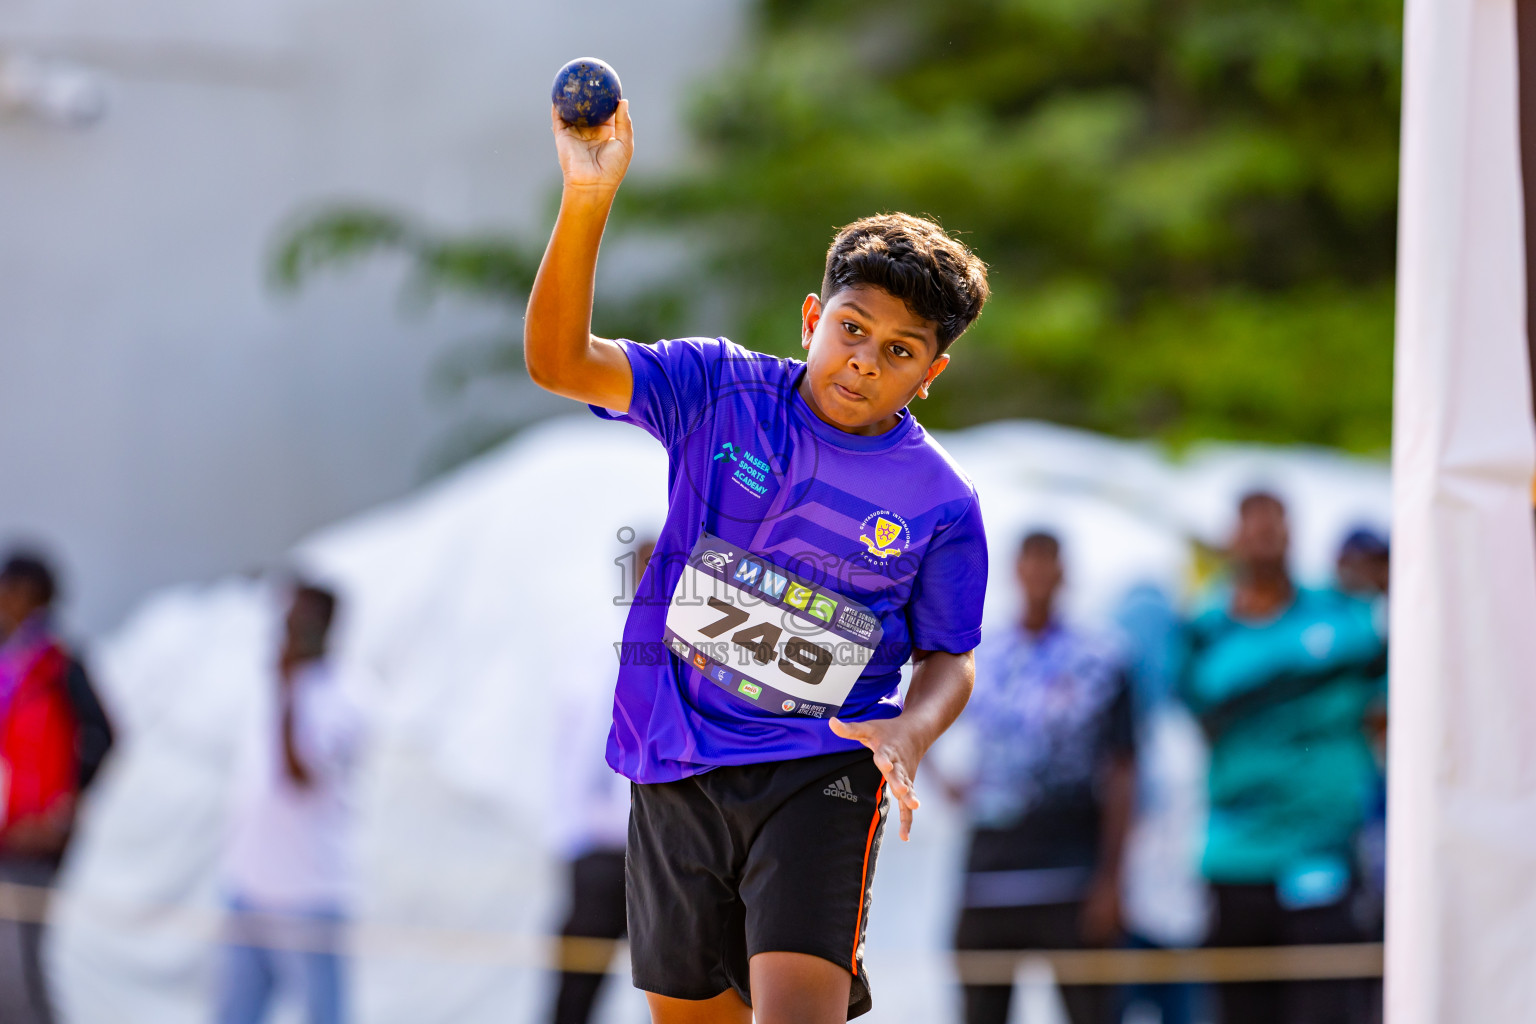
869	842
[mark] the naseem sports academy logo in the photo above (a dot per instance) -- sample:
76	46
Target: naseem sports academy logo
885	534
753	474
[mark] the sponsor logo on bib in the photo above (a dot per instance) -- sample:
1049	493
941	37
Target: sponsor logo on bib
715	559
798	596
860	623
822	607
773	584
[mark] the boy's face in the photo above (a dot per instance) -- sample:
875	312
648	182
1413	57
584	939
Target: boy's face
869	355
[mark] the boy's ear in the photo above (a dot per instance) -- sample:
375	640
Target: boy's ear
933	372
810	316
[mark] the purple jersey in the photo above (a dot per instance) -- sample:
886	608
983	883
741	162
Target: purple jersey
877	540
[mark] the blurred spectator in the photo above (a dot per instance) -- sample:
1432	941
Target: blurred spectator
1364	567
1165	901
288	868
1364	563
593	818
1280	678
1050	801
49	750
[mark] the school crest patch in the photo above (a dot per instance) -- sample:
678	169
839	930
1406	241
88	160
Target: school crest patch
885	534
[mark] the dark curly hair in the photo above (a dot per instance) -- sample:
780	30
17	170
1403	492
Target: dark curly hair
939	279
30	569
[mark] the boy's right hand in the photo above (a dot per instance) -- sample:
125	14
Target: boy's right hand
559	348
594	158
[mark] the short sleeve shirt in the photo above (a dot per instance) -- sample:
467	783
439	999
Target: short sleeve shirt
1050	709
1283	703
750	463
290	846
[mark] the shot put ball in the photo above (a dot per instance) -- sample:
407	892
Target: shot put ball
586	92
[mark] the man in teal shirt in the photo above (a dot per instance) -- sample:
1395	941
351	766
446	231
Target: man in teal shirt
1281	678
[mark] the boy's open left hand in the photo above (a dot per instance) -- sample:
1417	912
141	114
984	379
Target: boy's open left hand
598	157
897	753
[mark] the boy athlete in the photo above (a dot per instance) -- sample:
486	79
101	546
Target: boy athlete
816	538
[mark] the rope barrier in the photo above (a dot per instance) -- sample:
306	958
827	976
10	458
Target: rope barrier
29	903
1153	966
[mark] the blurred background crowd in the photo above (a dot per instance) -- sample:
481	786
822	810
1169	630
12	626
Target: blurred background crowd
296	711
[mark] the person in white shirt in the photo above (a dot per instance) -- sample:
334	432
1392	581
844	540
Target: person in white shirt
590	812
287	868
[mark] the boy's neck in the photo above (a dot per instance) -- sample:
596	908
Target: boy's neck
867	430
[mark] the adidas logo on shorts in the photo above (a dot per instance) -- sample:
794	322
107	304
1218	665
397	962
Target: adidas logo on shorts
841	788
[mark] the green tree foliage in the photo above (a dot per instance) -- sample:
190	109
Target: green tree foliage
1188	206
483	267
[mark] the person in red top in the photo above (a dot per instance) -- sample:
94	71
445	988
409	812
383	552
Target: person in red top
39	767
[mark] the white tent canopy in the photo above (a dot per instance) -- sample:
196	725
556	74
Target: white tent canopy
467	604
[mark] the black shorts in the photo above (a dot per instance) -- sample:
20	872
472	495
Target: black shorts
762	858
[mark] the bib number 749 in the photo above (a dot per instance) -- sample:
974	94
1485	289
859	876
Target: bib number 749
800	658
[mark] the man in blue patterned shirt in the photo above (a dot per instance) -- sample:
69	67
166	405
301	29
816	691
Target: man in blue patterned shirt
1050	801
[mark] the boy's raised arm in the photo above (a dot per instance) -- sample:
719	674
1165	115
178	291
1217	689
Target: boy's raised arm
561	353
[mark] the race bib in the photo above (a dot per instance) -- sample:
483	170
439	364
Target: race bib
767	636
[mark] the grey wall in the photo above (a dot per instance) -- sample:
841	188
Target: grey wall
163	414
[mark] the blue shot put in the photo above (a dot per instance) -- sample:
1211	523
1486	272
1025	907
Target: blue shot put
586	92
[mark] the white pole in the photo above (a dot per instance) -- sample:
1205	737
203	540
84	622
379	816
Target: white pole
1461	917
